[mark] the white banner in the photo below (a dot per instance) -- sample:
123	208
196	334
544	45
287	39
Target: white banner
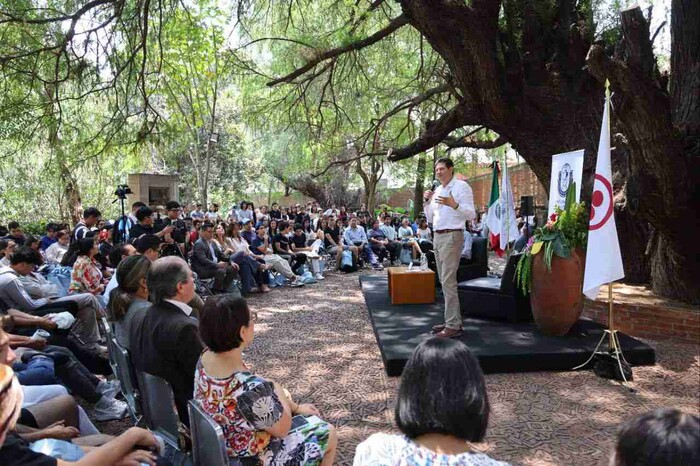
566	168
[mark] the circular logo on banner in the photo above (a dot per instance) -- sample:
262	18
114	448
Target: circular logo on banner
601	203
566	176
498	210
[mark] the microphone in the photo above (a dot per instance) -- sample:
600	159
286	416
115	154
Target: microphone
433	187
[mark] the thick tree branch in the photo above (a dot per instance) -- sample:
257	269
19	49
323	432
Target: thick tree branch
435	132
454	143
395	24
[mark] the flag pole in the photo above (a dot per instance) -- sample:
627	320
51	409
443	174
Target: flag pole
611	327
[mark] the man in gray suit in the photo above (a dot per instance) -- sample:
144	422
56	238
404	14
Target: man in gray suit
208	261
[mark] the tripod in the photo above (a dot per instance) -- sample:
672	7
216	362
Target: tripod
614	348
120	228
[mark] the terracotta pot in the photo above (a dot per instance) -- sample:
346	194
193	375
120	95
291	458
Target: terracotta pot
556	296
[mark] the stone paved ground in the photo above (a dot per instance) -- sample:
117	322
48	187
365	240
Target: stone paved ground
318	342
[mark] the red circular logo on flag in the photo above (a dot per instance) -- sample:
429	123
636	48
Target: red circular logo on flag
601	203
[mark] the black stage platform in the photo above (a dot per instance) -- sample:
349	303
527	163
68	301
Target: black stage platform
500	346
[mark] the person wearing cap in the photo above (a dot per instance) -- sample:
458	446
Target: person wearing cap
179	234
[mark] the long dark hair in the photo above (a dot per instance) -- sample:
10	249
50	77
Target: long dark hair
130	272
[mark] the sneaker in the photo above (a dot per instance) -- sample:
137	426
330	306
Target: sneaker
296	282
319	276
108	409
377	266
109	388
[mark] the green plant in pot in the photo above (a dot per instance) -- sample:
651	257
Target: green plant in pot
552	266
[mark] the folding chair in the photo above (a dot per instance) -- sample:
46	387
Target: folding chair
158	408
208	443
127	379
108	334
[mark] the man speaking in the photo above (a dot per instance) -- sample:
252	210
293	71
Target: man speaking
448	207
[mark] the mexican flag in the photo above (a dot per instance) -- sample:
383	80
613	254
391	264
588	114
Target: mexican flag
493	219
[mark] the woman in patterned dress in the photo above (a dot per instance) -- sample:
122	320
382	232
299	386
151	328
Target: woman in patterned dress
87	275
442	405
262	425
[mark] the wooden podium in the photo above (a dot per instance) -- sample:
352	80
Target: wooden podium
414	287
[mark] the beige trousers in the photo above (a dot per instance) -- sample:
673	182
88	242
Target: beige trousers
447	248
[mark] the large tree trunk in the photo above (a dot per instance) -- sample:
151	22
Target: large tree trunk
420	184
543	91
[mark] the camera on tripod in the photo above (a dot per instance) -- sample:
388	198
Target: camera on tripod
122	191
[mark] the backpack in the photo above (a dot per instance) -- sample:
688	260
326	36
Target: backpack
347	263
307	278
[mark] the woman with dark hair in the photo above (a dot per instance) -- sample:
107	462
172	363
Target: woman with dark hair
259	419
253	214
240	252
272	228
87	273
32	242
663	437
442	405
128	302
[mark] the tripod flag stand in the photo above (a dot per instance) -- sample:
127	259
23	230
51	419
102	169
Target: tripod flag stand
603	257
614	348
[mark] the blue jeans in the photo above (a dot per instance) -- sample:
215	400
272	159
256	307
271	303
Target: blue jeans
38	371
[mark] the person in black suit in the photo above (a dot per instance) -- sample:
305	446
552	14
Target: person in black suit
209	262
167	343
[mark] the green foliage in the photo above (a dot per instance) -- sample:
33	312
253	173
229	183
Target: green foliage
565	231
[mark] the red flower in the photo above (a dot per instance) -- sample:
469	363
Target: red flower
553	217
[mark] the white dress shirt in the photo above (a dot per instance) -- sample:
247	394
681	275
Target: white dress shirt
446	218
183	306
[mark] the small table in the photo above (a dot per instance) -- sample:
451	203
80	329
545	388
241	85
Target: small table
414	287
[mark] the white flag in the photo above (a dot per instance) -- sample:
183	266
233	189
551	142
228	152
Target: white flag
603	258
508	228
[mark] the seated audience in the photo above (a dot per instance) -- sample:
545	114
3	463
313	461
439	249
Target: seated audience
13	295
208	261
87	226
55	252
167	344
355	235
16	234
259	418
663	437
333	242
120	252
442	404
423	233
407	236
149	246
128	302
33	242
87	274
262	247
281	246
252	267
381	245
197	212
7	247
